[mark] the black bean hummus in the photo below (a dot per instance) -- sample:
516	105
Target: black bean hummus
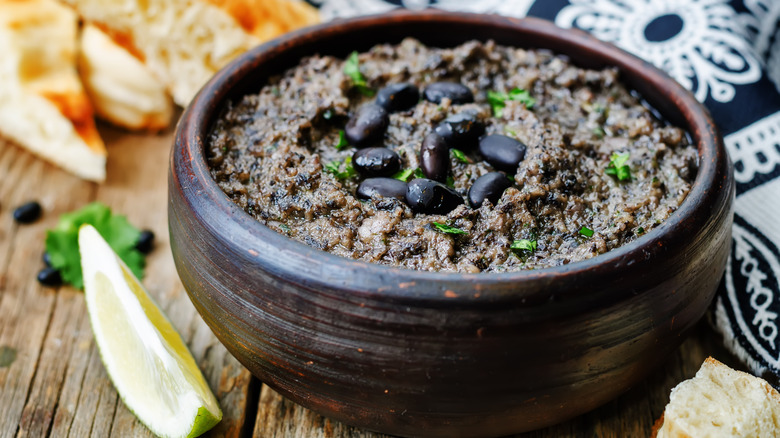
478	158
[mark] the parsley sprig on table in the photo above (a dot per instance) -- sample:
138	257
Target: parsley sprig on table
62	242
497	100
447	229
352	69
617	166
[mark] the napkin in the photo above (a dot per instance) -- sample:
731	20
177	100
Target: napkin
727	53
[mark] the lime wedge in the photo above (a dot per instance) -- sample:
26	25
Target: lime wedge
150	365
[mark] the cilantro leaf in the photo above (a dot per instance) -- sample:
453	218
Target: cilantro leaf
523	245
352	69
334	168
63	246
446	229
342	140
617	166
406	174
459	155
585	231
497	100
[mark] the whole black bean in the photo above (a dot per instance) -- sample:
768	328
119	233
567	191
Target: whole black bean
27	213
502	152
145	242
489	186
376	161
461	131
431	197
435	158
49	277
382	188
398	97
367	125
46	257
457	93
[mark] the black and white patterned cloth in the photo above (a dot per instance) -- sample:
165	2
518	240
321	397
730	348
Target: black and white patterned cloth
728	54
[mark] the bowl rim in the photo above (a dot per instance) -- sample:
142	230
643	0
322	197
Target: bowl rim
195	124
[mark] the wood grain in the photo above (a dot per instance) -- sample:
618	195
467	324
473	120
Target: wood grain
57	385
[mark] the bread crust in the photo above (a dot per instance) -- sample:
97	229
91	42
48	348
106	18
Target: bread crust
43	106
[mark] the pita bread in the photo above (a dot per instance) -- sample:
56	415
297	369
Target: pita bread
721	402
121	88
43	106
184	42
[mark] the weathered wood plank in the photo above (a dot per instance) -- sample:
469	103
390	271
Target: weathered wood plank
26	307
57	385
632	414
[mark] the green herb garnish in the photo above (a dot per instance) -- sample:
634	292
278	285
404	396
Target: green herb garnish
450	181
639	231
404	175
62	242
342	140
334	168
523	245
444	228
352	69
459	155
618	167
497	100
585	231
418	173
598	131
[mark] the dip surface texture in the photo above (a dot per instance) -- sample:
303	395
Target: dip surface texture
281	157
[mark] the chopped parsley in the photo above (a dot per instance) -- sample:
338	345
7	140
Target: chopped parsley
585	231
459	155
523	245
446	229
334	168
617	166
639	231
352	69
497	100
450	181
598	131
404	175
62	242
342	140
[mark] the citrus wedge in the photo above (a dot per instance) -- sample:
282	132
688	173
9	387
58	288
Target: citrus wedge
148	362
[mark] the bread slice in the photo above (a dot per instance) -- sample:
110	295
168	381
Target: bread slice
43	106
121	88
184	42
721	402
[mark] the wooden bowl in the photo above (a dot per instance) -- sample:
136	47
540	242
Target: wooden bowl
445	354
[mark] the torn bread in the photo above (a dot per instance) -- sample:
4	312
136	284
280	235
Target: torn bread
43	106
184	42
122	89
721	402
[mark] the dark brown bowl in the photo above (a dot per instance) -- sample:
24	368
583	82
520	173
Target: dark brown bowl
443	354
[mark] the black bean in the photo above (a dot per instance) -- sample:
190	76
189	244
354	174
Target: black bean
27	213
457	93
461	131
46	257
145	241
376	161
435	158
398	97
489	186
367	125
431	197
502	152
381	188
49	277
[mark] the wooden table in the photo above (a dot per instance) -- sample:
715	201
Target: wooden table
52	382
